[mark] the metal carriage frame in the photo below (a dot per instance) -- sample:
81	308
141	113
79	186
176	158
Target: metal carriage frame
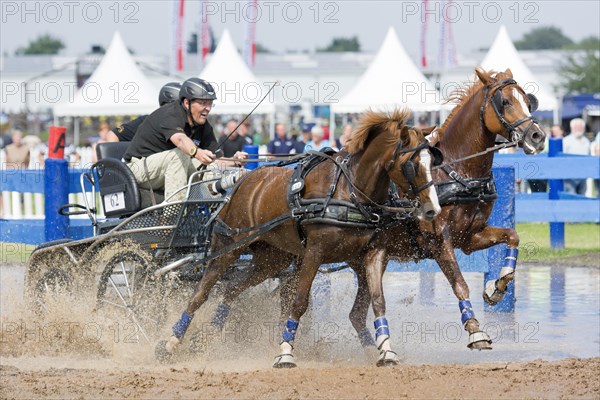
133	262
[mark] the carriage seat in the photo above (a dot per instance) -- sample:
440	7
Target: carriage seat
119	191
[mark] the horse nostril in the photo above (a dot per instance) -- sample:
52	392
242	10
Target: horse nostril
537	137
430	214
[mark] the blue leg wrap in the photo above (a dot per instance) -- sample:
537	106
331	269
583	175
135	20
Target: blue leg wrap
381	327
466	310
289	332
220	316
181	326
510	259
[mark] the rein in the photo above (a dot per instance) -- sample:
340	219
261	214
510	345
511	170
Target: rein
342	166
481	153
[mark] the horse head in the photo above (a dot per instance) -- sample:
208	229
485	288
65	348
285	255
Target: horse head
506	111
410	169
383	140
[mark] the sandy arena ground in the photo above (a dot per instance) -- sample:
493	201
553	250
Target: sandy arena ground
73	353
574	378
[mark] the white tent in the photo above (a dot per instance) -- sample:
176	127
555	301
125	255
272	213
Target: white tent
391	80
238	90
503	55
117	87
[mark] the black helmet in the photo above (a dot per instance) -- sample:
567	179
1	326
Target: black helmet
196	88
169	93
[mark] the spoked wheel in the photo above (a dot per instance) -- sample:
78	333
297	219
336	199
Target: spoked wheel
129	293
48	277
52	285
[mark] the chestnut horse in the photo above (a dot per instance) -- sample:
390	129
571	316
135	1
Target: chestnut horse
493	105
382	150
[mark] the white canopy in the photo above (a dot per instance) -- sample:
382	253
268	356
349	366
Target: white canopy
117	87
391	80
238	90
503	55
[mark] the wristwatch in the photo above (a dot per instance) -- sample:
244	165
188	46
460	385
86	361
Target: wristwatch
193	151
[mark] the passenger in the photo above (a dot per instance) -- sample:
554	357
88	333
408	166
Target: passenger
175	140
124	133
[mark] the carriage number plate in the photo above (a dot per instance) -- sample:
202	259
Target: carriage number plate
114	201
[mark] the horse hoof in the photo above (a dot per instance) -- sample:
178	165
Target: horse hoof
161	353
388	358
284	361
491	294
479	341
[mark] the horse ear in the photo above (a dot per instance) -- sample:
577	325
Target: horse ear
404	135
508	73
428	130
483	76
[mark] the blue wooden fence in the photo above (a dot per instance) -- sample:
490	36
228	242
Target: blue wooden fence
31	231
508	208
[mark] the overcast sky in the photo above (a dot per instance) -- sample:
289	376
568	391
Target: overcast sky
289	25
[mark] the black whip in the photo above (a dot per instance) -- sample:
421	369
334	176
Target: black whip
248	115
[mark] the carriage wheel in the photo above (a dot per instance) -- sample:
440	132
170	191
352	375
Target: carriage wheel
128	292
48	278
54	284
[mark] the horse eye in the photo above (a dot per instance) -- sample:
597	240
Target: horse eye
505	102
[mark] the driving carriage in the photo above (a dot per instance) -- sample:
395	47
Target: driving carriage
144	247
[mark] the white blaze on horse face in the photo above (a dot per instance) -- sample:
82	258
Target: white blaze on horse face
525	109
425	161
517	94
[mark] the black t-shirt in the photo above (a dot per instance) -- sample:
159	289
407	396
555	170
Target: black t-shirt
127	131
232	145
154	134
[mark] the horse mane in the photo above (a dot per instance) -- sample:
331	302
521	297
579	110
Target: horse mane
376	122
462	95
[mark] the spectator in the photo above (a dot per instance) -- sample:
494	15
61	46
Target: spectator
557	131
282	144
243	132
422	122
541	185
103	134
71	154
325	126
303	138
576	143
595	147
317	142
235	142
17	153
346	132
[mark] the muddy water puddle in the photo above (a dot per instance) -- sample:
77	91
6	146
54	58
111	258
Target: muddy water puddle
556	316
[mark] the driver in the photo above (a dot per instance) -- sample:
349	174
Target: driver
174	140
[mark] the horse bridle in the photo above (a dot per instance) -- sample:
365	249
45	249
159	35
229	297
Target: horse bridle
495	98
409	168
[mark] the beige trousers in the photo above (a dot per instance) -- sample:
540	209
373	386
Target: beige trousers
168	170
